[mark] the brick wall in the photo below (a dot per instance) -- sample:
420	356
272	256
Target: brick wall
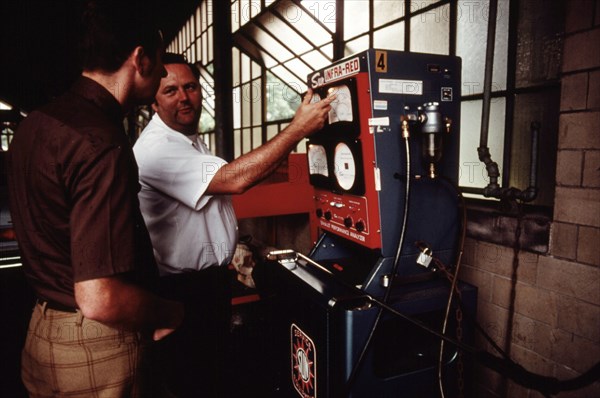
545	309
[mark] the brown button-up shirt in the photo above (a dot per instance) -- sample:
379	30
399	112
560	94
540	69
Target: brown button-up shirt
73	187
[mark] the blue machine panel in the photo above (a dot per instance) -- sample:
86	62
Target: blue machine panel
384	169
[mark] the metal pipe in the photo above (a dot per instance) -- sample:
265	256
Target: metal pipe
483	150
532	190
493	189
489	69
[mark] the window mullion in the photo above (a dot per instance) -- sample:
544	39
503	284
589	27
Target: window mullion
407	15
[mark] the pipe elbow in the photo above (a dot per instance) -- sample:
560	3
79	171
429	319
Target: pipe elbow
484	154
529	194
491	191
491	167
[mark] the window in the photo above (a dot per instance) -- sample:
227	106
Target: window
248	86
195	41
525	89
276	47
277	43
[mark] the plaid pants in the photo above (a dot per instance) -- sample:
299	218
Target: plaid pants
66	354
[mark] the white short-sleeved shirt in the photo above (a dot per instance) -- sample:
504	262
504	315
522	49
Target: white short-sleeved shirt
189	230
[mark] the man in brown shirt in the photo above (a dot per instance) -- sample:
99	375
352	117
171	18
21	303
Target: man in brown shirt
73	187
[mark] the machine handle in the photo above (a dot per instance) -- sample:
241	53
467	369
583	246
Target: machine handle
287	256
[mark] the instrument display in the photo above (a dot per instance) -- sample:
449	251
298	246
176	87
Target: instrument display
358	161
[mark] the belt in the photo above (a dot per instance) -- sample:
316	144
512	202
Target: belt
55	306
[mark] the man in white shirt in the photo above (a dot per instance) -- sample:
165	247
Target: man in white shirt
192	229
185	203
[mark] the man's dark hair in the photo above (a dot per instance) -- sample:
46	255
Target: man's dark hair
111	30
173	58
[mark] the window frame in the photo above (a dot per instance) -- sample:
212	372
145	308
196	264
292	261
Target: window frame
245	43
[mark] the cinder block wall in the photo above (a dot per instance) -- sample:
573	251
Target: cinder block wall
547	312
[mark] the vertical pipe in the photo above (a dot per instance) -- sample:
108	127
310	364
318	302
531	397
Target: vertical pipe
492	189
489	68
338	36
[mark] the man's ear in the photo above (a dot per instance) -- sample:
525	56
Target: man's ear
141	62
154	106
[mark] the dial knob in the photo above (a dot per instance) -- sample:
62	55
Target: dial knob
360	225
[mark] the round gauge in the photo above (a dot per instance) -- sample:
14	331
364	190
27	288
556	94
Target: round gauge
317	160
341	107
345	166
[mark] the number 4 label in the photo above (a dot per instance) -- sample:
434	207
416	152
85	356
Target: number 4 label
381	61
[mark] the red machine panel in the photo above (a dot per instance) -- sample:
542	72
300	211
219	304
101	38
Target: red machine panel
346	203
